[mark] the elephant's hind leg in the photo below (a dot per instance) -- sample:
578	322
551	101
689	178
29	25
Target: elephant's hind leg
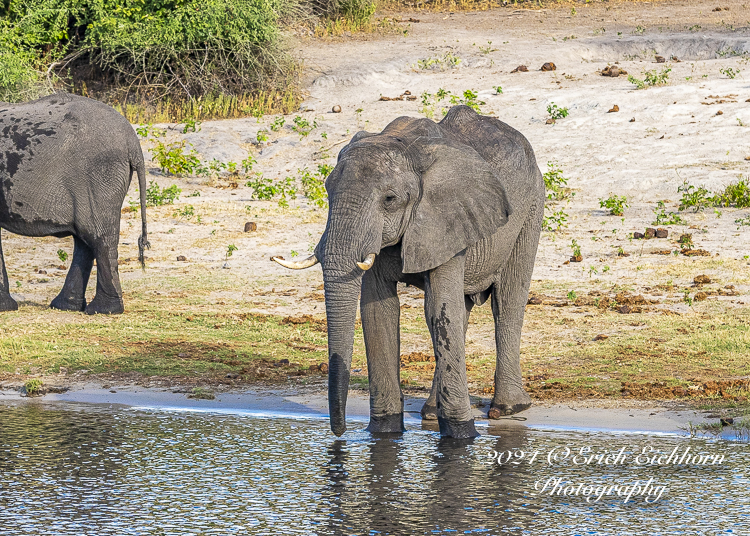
429	409
509	296
108	298
72	297
6	302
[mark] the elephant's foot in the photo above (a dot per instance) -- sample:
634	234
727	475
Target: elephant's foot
68	303
509	403
105	307
387	424
7	303
457	430
429	412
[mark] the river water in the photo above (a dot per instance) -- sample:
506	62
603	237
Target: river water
74	469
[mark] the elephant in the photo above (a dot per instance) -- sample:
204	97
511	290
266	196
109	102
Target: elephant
66	163
454	208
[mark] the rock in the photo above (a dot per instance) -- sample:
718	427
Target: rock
632	120
520	69
181	258
662	233
701	279
659	59
549	66
700	296
726	421
251	226
336	109
614	109
650	233
719	113
601	337
232	376
283	362
637	235
323	367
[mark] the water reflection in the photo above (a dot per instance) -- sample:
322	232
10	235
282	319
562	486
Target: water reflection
71	470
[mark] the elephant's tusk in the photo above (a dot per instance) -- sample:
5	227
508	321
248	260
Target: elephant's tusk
312	260
367	263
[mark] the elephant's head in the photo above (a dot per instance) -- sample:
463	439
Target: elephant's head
412	184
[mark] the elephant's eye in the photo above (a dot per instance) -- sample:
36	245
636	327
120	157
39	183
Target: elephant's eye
390	198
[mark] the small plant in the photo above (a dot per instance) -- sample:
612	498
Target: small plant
248	163
157	196
202	393
686	297
555	112
742	222
697	197
448	61
294	253
555	220
231	248
262	136
554	182
487	49
33	386
186	212
639	84
686	241
662	218
729	72
62	255
144	131
469	99
173	159
639	30
267	189
575	248
616	204
498	89
191	125
736	194
313	184
303	127
593	271
572	296
278	123
194	194
652	78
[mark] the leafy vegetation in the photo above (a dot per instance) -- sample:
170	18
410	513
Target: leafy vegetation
555	112
555	184
157	196
174	159
664	218
313	184
616	204
652	78
736	194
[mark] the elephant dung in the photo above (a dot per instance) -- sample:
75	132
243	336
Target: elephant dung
577	258
650	233
700	296
251	226
181	258
659	59
336	109
662	233
549	66
637	235
613	71
614	109
701	280
520	69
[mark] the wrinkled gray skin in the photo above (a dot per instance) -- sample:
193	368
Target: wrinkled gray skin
454	208
65	167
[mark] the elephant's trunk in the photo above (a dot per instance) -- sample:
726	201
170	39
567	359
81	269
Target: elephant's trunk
341	293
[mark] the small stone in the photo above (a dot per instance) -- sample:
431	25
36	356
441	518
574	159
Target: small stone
719	113
251	226
520	69
700	296
232	375
638	236
323	367
632	120
601	337
181	258
549	66
726	421
650	233
662	233
660	59
283	361
614	109
336	109
701	279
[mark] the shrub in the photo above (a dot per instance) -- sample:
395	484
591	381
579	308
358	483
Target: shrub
157	196
173	159
616	204
555	112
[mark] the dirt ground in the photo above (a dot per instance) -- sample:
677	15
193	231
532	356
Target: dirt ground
626	321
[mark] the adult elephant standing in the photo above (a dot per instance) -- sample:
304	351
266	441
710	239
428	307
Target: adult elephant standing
65	167
454	208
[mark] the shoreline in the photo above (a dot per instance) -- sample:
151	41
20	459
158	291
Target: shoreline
646	417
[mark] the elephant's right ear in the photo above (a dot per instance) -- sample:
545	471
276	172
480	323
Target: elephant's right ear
462	201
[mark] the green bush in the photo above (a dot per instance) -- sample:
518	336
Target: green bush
154	48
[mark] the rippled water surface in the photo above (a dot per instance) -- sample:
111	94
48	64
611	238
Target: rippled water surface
75	470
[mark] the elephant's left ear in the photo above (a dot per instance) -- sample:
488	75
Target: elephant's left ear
463	201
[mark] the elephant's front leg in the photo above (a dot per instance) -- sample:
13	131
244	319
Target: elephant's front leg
445	312
6	302
380	325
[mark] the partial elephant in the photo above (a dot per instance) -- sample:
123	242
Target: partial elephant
454	208
66	164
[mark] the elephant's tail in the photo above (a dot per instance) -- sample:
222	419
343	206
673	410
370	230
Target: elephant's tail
143	242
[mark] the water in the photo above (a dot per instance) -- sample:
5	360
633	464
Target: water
83	470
